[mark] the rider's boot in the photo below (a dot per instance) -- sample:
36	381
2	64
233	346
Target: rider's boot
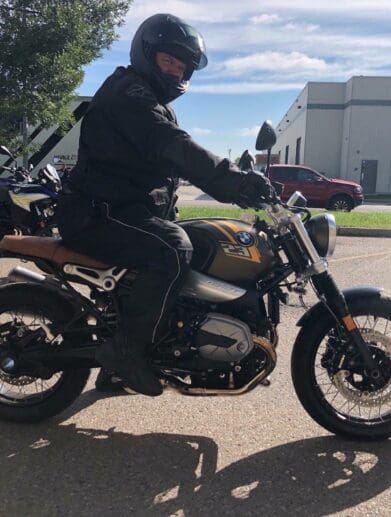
108	382
129	362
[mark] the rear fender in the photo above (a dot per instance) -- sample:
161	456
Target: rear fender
36	292
319	310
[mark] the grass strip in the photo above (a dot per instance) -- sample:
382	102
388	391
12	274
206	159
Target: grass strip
345	219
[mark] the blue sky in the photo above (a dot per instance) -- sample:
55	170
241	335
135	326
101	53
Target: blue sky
261	54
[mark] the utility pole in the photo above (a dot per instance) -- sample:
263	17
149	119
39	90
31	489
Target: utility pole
229	154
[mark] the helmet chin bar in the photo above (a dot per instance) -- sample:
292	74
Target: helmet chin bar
167	87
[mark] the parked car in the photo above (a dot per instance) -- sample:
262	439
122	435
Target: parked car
320	192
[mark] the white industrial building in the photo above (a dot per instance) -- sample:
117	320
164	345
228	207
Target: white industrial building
55	145
342	130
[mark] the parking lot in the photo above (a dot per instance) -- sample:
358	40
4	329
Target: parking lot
256	454
193	197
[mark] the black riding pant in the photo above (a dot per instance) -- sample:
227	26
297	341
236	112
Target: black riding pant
131	237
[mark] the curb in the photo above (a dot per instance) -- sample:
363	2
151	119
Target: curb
363	232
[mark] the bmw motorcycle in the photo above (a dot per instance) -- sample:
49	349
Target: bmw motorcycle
223	332
27	205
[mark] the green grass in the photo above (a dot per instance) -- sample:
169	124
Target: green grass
348	219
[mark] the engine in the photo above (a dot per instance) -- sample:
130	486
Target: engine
223	357
222	338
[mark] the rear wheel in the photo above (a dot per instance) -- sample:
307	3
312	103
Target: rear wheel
342	203
25	397
330	382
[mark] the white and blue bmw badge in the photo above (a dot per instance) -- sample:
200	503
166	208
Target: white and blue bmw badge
245	238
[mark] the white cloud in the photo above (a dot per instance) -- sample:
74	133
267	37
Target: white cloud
248	131
265	19
201	131
245	87
272	61
199	11
280	44
301	27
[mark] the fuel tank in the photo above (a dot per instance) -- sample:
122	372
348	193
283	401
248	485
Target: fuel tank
229	249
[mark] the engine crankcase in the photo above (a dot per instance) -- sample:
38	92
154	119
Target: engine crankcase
223	338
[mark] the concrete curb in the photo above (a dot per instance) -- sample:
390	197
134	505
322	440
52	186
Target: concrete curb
363	232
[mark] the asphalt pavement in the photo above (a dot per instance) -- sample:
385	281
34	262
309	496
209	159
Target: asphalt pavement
257	454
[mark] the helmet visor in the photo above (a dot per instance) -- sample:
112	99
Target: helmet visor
180	36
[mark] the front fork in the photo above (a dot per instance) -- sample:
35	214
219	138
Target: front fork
335	300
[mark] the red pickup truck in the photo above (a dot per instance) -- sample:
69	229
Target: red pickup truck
320	192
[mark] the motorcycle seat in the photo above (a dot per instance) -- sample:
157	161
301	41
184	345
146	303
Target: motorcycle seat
48	248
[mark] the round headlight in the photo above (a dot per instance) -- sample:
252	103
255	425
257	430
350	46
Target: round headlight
323	233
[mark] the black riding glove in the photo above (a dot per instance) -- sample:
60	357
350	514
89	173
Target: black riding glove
254	189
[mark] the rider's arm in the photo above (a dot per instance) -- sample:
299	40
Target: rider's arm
146	125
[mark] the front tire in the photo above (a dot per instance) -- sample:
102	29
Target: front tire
26	308
341	203
340	401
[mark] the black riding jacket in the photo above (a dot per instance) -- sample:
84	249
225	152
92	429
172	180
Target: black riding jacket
132	150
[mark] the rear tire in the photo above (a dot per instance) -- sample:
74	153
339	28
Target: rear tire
339	403
30	308
341	203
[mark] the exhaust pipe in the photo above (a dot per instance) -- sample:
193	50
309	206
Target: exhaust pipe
21	274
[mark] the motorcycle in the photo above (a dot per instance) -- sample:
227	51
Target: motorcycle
223	332
27	205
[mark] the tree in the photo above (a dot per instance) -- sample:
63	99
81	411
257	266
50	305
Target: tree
44	45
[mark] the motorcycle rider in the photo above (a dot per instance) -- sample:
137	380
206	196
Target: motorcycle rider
121	192
246	161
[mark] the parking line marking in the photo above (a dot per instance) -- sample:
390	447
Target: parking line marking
355	257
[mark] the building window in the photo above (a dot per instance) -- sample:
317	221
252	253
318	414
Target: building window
298	149
287	154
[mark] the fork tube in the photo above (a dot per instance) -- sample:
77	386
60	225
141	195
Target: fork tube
325	284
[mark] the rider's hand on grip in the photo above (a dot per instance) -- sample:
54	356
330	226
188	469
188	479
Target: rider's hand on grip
254	190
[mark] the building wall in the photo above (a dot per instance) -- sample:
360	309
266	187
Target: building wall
292	127
345	123
368	138
367	129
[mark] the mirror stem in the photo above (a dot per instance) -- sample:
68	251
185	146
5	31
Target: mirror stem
269	152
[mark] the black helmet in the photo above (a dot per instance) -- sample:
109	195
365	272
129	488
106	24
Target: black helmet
167	33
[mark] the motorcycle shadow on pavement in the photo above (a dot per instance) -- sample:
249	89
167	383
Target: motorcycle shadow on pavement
60	469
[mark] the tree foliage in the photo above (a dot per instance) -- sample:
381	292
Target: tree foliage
44	45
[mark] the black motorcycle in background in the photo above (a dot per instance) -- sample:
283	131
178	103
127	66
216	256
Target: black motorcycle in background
27	205
223	331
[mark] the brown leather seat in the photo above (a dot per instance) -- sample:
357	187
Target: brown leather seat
48	248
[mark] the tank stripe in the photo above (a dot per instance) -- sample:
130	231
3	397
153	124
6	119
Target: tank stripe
221	230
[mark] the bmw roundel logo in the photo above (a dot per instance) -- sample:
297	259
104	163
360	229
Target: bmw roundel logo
245	238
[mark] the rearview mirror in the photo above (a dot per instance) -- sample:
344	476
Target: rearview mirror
266	137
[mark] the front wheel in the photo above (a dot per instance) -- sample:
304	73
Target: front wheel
328	378
341	203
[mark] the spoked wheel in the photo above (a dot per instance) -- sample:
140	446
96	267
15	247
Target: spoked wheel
26	396
341	203
330	379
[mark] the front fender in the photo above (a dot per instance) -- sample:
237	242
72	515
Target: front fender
354	293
